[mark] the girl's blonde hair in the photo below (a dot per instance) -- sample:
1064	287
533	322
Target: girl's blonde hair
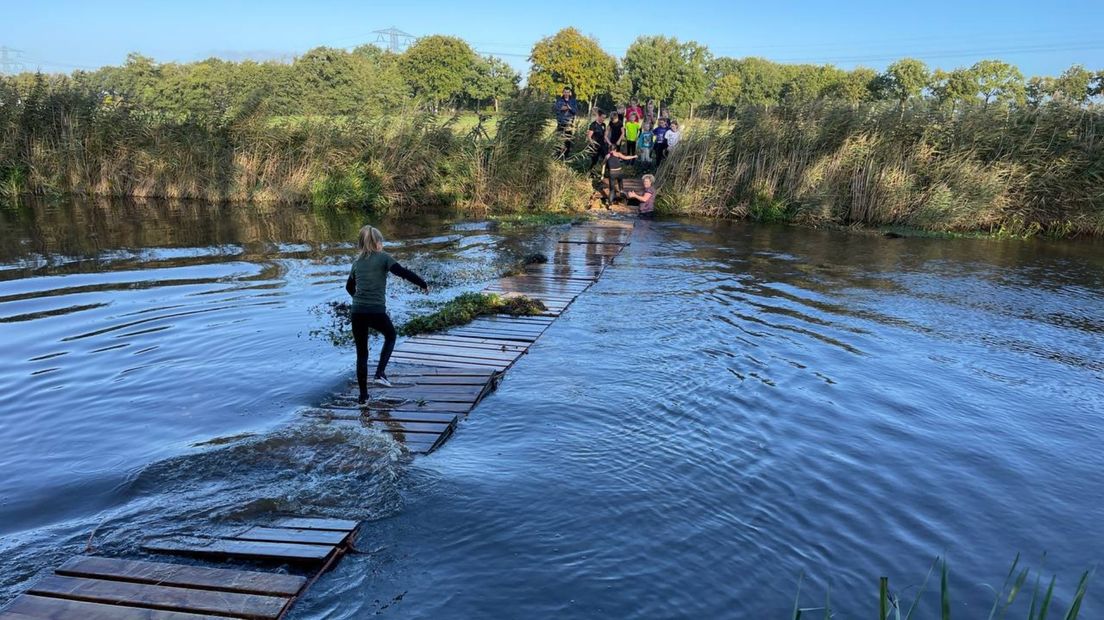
370	240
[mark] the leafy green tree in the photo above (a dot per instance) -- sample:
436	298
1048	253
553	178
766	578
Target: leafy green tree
811	82
904	80
668	71
437	68
998	81
1074	85
493	79
1038	89
855	86
954	87
622	90
1098	84
568	58
761	81
726	91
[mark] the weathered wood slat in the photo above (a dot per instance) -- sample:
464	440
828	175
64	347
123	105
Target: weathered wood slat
456	351
518	347
161	573
48	608
409	427
431	371
292	535
166	598
221	547
318	523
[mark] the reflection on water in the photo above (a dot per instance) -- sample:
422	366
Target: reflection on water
730	406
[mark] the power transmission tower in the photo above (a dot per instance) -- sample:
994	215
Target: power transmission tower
395	39
10	60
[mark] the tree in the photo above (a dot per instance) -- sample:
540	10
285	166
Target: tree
493	79
726	91
663	69
855	86
761	81
568	58
904	80
1074	85
954	87
437	68
1038	89
692	79
998	81
811	82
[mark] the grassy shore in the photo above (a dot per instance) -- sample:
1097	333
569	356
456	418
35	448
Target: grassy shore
1009	171
1012	172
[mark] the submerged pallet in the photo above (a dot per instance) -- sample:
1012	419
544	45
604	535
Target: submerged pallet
444	375
99	588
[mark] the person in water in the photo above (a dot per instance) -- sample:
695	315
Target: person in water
367	284
645	200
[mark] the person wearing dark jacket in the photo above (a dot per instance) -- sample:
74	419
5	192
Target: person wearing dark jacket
367	284
566	109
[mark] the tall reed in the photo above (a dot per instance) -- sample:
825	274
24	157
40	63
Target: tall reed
1016	171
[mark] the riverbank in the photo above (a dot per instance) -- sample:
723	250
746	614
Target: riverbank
976	170
994	170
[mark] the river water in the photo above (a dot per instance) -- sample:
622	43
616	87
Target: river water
731	407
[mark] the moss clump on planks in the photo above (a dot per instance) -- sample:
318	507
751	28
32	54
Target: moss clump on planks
518	269
520	220
465	308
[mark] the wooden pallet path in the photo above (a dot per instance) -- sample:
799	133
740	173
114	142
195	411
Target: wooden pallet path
101	588
442	376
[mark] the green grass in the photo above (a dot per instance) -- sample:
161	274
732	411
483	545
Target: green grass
891	607
527	219
465	308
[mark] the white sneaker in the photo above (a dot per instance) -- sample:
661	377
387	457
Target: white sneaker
382	381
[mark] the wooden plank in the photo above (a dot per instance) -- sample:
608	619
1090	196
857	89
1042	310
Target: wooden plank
468	343
440	407
459	351
434	358
412	416
318	523
489	333
166	598
424	371
47	608
161	573
357	414
255	550
293	535
410	427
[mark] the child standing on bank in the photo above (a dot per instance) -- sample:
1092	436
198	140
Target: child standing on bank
644	143
660	142
632	133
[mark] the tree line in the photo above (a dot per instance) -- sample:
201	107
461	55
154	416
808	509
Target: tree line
442	72
434	72
685	75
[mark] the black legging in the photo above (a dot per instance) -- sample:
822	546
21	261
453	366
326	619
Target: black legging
660	149
362	322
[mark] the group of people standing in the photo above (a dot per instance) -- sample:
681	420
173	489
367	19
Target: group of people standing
641	132
646	134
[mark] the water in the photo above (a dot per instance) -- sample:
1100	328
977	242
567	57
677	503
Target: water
730	406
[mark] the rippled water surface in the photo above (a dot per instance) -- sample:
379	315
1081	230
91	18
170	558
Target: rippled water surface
730	406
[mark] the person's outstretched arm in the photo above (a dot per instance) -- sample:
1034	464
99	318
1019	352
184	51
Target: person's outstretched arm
409	276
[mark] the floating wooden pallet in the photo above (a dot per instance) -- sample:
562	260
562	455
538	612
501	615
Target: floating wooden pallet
101	588
444	375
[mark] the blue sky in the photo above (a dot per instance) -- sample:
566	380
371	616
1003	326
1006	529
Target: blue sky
1042	38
